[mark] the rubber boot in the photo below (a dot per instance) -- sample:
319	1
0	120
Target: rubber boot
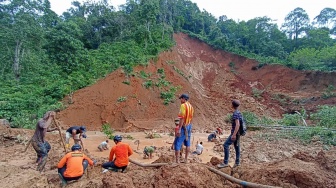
64	183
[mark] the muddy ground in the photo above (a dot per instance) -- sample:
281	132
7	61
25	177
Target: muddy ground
275	162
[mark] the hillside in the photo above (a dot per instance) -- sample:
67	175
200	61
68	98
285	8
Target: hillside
211	77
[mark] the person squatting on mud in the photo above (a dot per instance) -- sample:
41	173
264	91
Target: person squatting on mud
76	132
121	151
148	151
73	164
184	132
103	146
40	145
234	137
213	136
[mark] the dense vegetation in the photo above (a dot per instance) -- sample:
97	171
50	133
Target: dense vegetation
45	57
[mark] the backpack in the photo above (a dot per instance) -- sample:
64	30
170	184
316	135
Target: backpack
242	127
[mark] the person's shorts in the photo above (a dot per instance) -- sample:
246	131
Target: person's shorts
68	136
181	140
42	149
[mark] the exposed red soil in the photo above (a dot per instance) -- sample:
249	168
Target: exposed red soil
210	80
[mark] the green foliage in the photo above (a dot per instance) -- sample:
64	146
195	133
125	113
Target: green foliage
257	92
307	135
144	75
148	84
181	73
160	71
315	134
122	99
325	116
129	137
162	83
108	130
168	96
329	92
127	82
291	120
232	67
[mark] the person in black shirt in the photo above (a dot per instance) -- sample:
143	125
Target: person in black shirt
76	132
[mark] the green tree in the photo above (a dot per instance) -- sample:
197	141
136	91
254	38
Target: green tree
326	18
296	24
64	46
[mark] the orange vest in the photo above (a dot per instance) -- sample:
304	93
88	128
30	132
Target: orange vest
74	164
121	151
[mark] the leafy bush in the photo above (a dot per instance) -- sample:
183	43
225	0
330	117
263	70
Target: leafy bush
325	116
291	120
168	96
148	84
315	134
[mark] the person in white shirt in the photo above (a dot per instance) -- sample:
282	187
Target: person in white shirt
199	148
103	146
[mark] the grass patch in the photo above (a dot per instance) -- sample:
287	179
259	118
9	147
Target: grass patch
108	130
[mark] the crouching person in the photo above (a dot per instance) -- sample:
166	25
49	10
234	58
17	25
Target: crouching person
118	156
73	164
148	151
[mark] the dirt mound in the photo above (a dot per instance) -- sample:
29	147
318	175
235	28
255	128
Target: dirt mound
293	172
191	175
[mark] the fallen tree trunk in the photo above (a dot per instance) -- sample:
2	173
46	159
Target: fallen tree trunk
238	181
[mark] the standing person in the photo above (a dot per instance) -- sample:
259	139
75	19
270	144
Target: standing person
234	137
184	133
199	148
118	155
103	146
76	132
40	145
73	164
176	132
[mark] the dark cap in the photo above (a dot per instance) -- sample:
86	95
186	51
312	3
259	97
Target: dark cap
184	96
82	128
235	103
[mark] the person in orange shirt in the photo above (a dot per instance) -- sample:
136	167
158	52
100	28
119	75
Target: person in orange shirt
184	132
73	164
118	155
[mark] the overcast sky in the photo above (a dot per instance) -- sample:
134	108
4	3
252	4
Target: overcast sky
238	9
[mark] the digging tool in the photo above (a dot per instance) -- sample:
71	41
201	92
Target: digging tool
28	144
137	142
59	131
